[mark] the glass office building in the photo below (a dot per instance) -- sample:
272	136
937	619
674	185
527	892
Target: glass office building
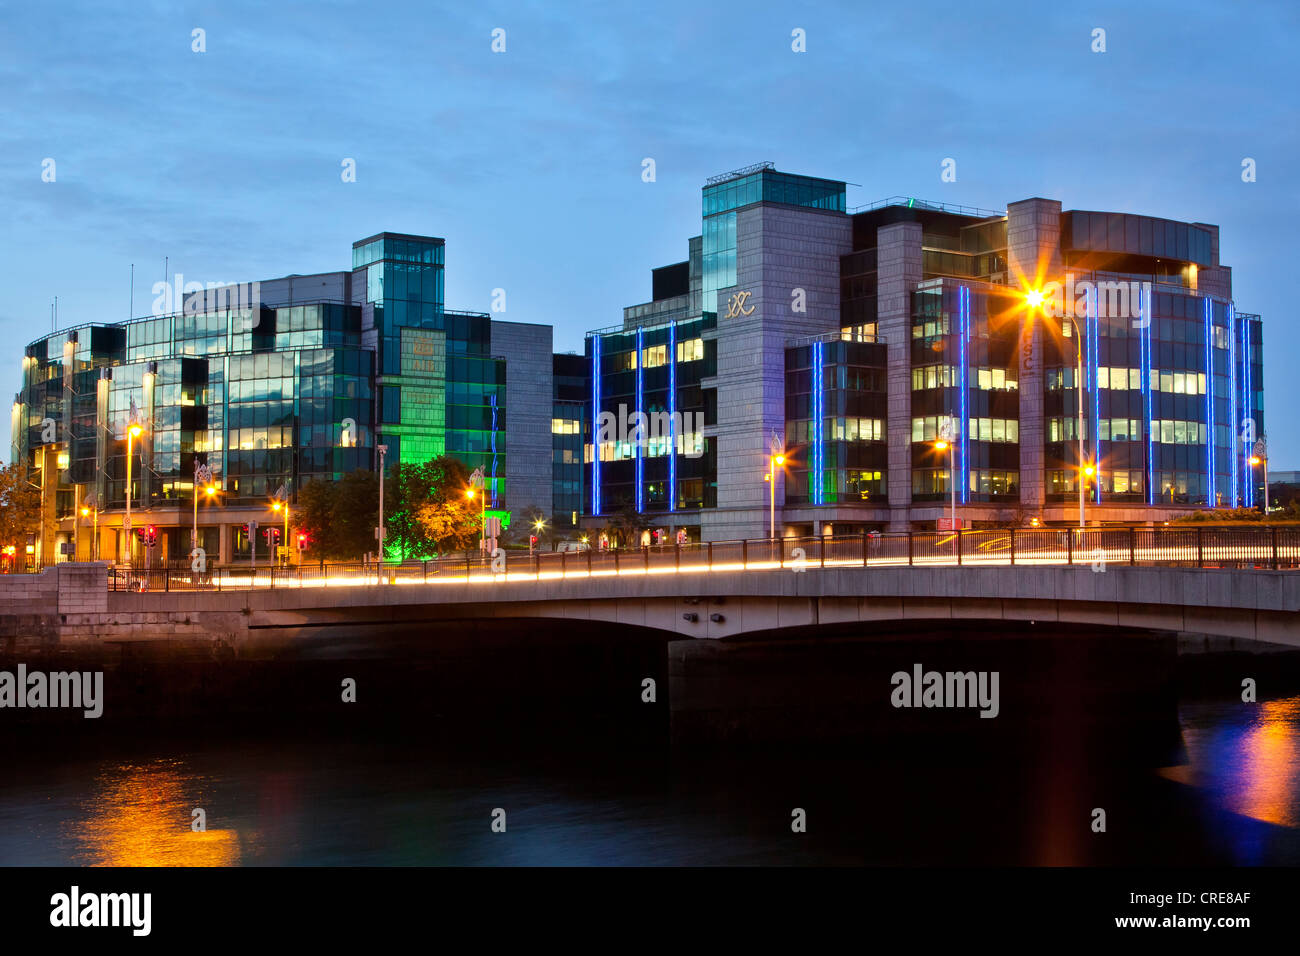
899	352
270	385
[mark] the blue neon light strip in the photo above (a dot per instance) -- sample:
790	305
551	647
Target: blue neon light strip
1209	402
672	416
819	424
1232	414
1248	412
595	424
1145	340
639	449
1094	356
494	451
963	321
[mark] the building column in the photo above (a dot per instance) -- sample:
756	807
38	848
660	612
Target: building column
1033	258
223	534
898	263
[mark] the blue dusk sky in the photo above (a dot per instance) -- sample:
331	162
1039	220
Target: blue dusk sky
529	161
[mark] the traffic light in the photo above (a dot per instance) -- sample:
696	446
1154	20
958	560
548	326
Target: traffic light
532	541
149	535
302	541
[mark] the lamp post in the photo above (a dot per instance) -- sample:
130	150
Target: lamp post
133	431
202	476
1257	459
89	506
943	444
282	505
379	534
775	462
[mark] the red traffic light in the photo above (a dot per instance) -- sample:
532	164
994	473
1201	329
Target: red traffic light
532	540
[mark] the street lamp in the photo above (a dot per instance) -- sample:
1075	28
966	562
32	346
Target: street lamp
133	431
282	505
775	462
1034	299
941	445
202	475
1258	459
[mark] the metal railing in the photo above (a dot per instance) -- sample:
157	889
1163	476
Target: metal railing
1271	547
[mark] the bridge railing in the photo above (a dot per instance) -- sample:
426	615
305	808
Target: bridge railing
1272	547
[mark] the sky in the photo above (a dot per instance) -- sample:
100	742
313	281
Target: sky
529	161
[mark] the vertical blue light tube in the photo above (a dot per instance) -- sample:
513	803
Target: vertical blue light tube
1247	412
963	397
595	425
1148	402
1233	426
639	446
1209	403
817	487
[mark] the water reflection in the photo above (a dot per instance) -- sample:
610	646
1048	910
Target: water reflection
1248	757
140	815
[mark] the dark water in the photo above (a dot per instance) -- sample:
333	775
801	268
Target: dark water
374	796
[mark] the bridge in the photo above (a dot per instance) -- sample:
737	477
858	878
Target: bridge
1235	583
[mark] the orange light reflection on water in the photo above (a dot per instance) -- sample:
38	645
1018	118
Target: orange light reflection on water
141	816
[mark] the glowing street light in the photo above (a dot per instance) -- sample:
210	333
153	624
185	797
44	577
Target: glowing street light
775	462
943	444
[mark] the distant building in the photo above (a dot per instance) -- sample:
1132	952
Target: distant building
275	384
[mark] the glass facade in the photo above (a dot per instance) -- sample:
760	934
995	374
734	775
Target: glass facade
270	393
835	423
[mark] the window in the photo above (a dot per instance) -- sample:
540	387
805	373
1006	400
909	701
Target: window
565	426
692	350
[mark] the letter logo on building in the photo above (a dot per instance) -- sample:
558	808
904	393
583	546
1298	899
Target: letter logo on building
736	305
799	562
348	436
48	431
799	40
199	40
948	170
48	171
1098	40
647	170
349	173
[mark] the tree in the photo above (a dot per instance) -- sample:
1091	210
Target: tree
314	514
523	523
425	507
355	515
448	521
626	524
20	508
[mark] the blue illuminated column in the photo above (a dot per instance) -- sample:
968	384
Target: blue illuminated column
672	416
1247	412
1233	430
595	425
817	485
639	444
963	393
1209	403
1144	340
